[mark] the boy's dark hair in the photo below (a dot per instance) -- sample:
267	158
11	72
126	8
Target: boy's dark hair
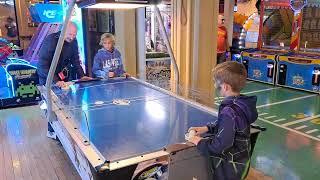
232	73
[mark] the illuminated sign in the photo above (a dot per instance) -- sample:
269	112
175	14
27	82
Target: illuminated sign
50	13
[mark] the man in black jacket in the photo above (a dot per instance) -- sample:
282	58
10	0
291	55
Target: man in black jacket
68	62
69	58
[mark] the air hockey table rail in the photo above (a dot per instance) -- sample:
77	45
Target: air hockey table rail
105	140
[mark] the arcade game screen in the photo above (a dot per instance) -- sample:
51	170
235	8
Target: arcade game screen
277	28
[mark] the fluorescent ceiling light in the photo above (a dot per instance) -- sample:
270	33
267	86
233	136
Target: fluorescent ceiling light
117	6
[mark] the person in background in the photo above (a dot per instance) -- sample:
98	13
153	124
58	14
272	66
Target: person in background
11	27
68	61
107	62
222	41
229	147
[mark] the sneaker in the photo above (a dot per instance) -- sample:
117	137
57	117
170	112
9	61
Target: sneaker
51	135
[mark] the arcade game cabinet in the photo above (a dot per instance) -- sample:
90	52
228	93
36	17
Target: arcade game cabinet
274	40
18	79
300	69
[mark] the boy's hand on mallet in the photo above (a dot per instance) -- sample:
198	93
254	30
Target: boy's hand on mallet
199	130
194	140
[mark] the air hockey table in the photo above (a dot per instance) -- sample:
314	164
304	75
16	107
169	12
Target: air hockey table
108	127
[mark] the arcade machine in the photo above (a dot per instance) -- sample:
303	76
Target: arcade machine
18	87
300	69
18	76
49	16
235	49
43	30
18	79
245	34
274	40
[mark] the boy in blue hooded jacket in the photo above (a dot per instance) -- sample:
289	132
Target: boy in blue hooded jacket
107	62
229	147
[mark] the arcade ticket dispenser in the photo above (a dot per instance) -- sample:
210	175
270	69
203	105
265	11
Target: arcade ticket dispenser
299	72
260	65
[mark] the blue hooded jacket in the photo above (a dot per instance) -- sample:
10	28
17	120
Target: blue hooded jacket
106	61
229	147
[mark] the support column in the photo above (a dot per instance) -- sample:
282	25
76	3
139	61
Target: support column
141	47
125	39
180	40
228	15
194	32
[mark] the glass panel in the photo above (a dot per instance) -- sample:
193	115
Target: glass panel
277	28
154	41
158	62
310	31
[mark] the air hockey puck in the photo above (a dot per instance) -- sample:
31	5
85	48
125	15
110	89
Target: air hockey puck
98	102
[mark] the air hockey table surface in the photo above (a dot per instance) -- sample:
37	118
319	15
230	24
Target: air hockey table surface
153	119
